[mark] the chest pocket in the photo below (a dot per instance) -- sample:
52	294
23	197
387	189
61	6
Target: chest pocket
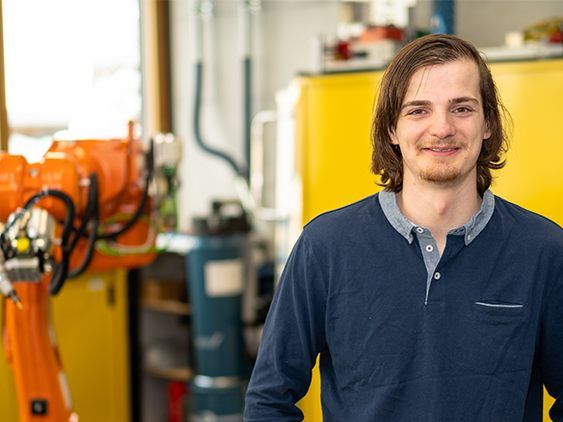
498	330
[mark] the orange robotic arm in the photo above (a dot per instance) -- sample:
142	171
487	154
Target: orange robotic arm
72	168
58	212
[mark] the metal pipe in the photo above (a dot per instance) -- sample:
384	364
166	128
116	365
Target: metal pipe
4	129
204	11
247	110
249	9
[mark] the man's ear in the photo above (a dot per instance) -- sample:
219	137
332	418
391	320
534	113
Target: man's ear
393	137
487	133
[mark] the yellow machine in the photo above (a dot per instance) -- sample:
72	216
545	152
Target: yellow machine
333	120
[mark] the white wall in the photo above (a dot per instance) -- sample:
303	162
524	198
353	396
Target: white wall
281	34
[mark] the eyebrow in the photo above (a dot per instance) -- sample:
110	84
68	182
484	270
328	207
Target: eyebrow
416	103
464	100
458	100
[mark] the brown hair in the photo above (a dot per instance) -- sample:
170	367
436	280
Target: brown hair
422	52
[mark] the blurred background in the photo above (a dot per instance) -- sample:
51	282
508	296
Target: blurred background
263	111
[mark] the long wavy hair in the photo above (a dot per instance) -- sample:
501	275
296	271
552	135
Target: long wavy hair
429	50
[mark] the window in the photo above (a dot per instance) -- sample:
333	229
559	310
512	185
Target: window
70	65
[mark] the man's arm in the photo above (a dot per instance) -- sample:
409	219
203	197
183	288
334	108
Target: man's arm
293	337
552	350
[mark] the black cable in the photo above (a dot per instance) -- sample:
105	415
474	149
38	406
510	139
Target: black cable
139	211
61	271
90	215
90	248
91	207
66	199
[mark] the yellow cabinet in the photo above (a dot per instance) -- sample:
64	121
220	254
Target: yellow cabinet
90	319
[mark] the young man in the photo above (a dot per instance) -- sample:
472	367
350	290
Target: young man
433	300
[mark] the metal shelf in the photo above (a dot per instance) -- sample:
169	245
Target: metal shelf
166	305
176	374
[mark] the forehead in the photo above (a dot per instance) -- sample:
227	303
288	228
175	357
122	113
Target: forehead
458	78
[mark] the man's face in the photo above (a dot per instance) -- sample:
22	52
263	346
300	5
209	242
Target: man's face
441	125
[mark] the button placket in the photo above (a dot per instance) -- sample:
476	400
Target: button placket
430	256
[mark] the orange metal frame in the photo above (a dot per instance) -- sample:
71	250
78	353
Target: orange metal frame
32	353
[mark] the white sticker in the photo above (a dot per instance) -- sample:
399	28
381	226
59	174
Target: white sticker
223	278
96	284
212	342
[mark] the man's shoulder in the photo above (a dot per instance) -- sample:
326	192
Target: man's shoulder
529	224
349	219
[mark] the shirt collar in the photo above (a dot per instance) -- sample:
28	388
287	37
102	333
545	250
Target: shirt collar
405	227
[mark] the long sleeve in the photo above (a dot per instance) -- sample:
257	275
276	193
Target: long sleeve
293	337
552	350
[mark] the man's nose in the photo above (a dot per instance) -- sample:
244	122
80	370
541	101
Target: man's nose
442	125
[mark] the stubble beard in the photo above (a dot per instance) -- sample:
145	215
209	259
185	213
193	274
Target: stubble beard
440	173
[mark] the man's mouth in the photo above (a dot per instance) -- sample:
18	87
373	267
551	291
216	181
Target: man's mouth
441	150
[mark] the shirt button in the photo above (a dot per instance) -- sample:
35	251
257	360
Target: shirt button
468	237
429	248
437	275
420	230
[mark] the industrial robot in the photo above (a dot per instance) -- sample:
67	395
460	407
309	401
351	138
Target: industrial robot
85	207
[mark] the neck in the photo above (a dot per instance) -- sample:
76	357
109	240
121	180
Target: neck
439	208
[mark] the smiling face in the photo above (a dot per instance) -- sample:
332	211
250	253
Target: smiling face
441	125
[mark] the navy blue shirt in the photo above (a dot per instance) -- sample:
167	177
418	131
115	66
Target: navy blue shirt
479	347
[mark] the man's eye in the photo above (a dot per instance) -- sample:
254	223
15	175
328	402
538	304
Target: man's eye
463	109
416	111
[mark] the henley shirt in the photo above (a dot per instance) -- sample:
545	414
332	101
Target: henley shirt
476	343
